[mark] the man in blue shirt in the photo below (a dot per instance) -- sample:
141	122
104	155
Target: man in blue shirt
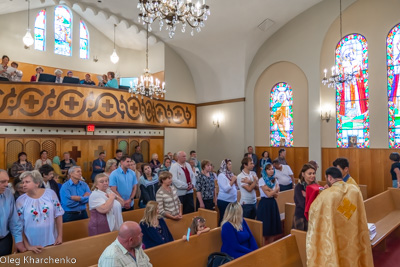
74	196
123	182
9	221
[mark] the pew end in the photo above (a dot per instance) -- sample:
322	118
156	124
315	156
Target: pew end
256	228
301	244
289	214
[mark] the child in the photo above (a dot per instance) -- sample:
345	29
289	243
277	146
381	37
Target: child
198	227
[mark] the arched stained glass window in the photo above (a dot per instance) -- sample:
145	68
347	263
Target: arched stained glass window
62	31
40	30
281	108
352	122
83	40
393	73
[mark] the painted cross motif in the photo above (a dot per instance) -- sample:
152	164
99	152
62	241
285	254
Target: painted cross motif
134	108
178	114
75	153
71	103
107	105
31	102
159	113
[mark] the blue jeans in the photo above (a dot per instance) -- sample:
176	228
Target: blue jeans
395	183
249	211
70	216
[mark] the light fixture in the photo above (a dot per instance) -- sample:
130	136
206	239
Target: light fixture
114	57
28	39
146	86
173	12
217	119
326	113
344	74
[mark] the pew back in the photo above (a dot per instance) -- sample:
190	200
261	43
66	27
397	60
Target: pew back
256	228
182	253
301	244
86	251
289	214
283	252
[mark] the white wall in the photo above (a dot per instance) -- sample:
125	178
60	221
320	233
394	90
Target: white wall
176	139
226	141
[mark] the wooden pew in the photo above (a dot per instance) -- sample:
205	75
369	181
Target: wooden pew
195	252
301	244
86	251
289	213
256	228
384	211
283	252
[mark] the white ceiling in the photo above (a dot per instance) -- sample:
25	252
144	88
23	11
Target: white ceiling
223	50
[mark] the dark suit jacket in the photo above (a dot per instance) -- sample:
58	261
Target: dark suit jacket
99	163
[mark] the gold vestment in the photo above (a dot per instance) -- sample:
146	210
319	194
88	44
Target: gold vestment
337	229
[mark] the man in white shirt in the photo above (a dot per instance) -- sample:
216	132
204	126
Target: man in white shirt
284	175
183	179
248	181
126	250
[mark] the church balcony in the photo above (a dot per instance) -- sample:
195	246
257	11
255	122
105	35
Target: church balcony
67	104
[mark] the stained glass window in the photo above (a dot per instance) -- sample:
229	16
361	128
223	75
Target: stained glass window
83	40
352	121
40	30
62	31
393	73
281	108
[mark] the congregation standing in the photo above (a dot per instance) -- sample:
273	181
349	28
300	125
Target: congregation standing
166	191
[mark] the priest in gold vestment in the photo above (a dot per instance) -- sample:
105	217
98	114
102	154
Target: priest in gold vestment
337	228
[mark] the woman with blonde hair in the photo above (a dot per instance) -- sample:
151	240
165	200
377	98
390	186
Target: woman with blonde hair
105	207
155	164
111	165
40	212
237	239
155	230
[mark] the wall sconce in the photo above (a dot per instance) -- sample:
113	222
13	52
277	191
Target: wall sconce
326	113
95	59
217	118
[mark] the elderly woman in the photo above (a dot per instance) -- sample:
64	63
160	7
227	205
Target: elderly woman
35	77
205	187
111	165
47	173
154	163
169	204
227	187
237	239
307	177
40	212
21	165
148	184
155	230
43	160
58	74
105	207
111	82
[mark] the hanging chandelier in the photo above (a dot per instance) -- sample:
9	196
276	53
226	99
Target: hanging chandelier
147	85
114	57
341	75
28	39
172	12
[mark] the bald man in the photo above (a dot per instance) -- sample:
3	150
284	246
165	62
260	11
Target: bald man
9	221
126	250
183	180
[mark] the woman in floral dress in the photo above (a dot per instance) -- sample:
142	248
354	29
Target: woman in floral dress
40	212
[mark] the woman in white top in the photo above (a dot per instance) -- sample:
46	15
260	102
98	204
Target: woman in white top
105	207
43	160
227	187
40	212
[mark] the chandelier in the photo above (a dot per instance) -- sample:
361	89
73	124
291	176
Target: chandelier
341	75
172	12
28	39
146	85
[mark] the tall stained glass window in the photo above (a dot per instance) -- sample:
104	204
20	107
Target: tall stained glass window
281	108
62	31
83	40
352	121
40	30
393	73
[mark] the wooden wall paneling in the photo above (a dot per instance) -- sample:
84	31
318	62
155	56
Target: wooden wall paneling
145	147
32	148
3	164
79	150
157	146
13	147
132	143
123	144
